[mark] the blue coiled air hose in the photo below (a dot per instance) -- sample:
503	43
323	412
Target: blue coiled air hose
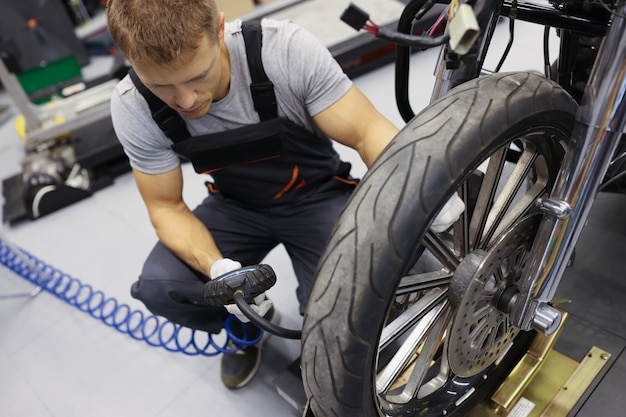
155	331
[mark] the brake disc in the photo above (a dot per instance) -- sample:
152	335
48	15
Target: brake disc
481	332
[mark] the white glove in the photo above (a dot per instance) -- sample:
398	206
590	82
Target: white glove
261	304
449	214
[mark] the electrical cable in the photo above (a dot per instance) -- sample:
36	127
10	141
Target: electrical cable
155	331
403	39
509	45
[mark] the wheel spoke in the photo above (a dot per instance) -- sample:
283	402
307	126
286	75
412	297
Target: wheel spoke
412	315
444	366
461	227
527	201
480	333
499	275
403	357
441	251
431	345
423	281
486	196
508	194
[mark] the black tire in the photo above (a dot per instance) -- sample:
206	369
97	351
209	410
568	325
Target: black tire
381	241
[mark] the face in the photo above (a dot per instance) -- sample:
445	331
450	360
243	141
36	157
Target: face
194	84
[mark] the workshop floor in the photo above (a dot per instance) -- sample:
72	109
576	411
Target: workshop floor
59	361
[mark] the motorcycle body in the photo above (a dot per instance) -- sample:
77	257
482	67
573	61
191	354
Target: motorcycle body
406	321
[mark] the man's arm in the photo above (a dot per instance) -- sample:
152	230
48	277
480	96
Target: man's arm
176	226
353	121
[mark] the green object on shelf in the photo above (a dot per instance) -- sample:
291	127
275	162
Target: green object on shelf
42	83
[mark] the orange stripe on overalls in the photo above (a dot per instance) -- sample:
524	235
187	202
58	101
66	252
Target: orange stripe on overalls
294	178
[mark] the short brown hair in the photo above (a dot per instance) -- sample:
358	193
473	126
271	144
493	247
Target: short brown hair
161	30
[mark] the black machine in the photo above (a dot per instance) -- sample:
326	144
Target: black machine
70	148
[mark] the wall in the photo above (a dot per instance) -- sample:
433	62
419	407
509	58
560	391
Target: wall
235	8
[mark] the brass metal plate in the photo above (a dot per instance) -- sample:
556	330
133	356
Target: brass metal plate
554	390
511	390
577	384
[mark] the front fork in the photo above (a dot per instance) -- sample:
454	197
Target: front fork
600	123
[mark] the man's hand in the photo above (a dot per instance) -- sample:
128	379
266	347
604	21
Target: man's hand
449	214
223	266
261	305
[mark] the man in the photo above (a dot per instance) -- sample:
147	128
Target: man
276	178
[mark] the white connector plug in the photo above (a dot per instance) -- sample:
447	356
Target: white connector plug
463	29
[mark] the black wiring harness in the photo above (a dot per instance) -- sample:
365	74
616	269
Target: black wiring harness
359	19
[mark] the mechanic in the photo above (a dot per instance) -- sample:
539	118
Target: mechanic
275	176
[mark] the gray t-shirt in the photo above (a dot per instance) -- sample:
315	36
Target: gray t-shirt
306	80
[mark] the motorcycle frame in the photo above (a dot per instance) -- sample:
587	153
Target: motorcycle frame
599	126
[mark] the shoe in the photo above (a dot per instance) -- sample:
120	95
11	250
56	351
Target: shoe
239	367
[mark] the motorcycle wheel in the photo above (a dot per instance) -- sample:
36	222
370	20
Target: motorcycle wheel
405	321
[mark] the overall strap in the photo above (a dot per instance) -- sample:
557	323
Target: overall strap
168	120
262	89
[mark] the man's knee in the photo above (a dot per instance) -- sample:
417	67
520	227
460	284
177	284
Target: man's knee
184	306
153	294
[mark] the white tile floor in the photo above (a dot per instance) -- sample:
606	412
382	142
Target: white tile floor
59	361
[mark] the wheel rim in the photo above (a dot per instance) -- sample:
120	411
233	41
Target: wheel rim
418	362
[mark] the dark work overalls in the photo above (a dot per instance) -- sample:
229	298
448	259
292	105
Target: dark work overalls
274	182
